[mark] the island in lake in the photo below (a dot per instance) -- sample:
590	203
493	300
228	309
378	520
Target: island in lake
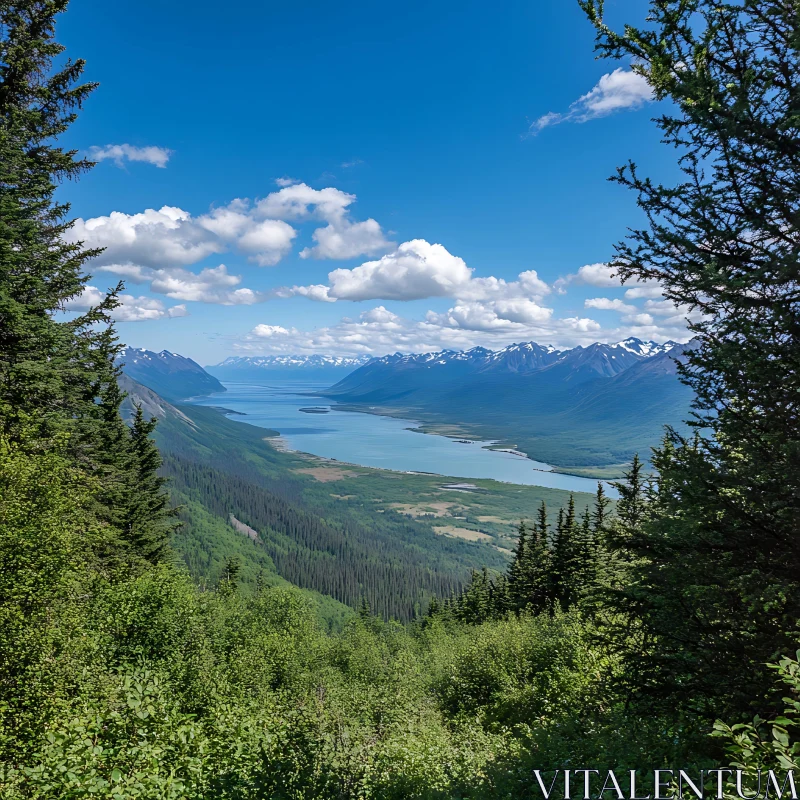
315	410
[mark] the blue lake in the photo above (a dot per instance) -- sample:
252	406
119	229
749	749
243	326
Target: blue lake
370	440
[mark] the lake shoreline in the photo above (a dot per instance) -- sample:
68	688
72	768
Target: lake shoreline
373	440
458	430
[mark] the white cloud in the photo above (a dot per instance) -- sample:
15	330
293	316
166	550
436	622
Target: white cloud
650	289
267	242
285	181
342	237
504	315
639	319
347	240
130	309
120	153
527	286
300	201
415	270
269	331
172	237
492	324
228	222
598	275
318	292
167	237
609	304
379	331
616	91
210	285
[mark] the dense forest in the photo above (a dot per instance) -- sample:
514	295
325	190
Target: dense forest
659	633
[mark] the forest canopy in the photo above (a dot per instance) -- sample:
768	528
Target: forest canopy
656	632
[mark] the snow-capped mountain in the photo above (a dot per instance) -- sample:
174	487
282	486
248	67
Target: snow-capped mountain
646	349
524	357
300	362
595	404
170	375
326	369
429	377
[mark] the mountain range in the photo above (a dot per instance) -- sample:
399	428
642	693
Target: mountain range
318	368
170	375
582	408
587	409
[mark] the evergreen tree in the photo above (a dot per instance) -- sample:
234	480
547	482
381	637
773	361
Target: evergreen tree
716	577
537	565
542	525
150	519
364	608
565	555
59	374
474	604
517	579
48	369
601	504
586	557
229	584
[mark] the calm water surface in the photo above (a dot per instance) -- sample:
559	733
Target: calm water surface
373	441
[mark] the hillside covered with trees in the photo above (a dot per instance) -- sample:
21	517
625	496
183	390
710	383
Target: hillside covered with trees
659	633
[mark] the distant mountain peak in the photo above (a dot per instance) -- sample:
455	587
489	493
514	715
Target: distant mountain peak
646	349
170	375
295	361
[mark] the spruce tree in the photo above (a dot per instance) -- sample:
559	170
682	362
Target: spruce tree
537	565
48	371
58	375
149	516
716	578
517	584
564	564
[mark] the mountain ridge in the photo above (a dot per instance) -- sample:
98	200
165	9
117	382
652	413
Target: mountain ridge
592	406
172	376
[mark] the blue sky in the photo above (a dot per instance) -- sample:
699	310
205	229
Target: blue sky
439	151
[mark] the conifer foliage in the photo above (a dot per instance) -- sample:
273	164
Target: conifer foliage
716	581
551	569
58	375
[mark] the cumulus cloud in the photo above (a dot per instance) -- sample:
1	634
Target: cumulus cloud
172	237
319	292
609	304
267	242
639	319
120	153
602	276
300	201
210	285
415	270
167	237
344	239
131	309
527	286
378	331
650	289
598	275
619	90
269	331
